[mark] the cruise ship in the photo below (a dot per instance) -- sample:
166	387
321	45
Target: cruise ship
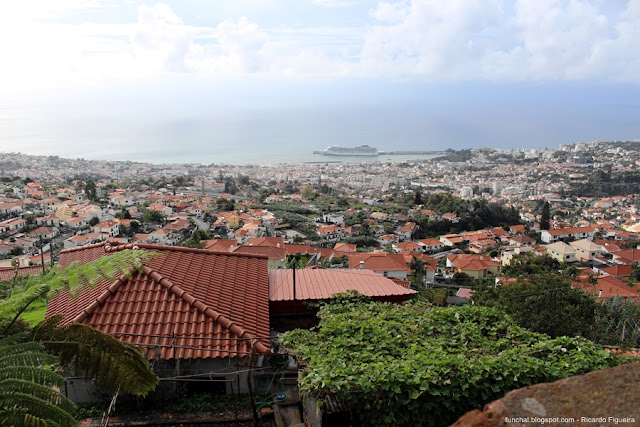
361	150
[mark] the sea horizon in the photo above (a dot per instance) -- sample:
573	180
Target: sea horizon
234	158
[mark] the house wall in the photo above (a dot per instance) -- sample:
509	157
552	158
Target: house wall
80	390
476	274
394	274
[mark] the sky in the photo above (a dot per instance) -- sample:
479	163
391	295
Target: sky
207	80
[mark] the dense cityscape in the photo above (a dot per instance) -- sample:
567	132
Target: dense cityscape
476	228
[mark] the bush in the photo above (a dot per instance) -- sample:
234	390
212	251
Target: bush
416	365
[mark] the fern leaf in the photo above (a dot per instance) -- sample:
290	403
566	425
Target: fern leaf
112	363
38	390
35	374
35	407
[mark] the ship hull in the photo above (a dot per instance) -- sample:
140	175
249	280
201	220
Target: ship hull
325	153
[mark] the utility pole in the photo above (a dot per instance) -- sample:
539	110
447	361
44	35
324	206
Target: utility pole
295	310
42	254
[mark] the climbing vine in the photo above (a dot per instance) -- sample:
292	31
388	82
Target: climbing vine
417	365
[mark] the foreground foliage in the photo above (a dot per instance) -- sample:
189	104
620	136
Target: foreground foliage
543	303
32	361
416	365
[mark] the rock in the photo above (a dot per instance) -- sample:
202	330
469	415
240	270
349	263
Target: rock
607	397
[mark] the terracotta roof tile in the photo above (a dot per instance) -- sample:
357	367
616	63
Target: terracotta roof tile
8	273
187	303
379	261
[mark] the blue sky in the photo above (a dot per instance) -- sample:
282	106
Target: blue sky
305	74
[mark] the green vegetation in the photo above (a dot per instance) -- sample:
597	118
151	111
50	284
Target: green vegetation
544	303
35	313
90	190
473	214
151	216
617	323
416	365
526	264
195	241
32	360
604	183
544	218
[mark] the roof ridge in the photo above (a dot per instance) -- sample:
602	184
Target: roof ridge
79	248
150	246
203	308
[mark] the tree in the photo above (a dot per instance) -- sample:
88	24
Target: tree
417	267
230	186
31	361
307	192
152	216
195	241
544	218
417	200
296	261
123	214
526	264
90	190
93	221
617	323
225	205
543	303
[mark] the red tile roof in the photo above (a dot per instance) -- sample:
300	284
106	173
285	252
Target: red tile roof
619	270
271	252
266	241
7	273
408	246
317	284
606	287
186	303
302	249
627	256
571	230
220	245
379	261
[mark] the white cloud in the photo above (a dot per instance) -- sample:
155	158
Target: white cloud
161	41
541	40
242	46
407	39
431	38
334	3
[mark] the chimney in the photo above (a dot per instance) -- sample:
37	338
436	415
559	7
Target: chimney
362	265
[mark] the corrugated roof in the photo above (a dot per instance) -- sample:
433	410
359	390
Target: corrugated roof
184	298
315	284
